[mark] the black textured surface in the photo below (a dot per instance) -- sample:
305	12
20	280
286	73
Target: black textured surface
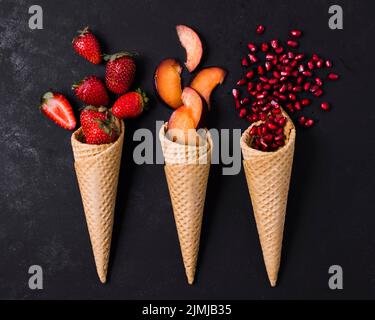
330	218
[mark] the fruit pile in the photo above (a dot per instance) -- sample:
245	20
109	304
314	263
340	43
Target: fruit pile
277	75
100	125
188	103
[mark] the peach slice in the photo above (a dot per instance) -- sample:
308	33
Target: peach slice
192	44
181	125
168	82
206	80
192	100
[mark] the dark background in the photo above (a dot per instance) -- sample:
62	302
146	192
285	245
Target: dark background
330	217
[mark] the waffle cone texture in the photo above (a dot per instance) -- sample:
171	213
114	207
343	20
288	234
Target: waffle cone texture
268	177
97	168
187	169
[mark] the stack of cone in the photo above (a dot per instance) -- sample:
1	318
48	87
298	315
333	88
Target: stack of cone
268	176
187	168
97	169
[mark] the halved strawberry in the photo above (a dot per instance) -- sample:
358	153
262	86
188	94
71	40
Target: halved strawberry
56	107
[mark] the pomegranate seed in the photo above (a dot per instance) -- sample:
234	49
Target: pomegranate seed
300	80
244	62
254	109
273	81
254	118
264	47
274	61
250	86
268	65
279	131
290	86
318	93
318	82
295	33
292	43
260	96
309	123
293	63
253	131
295	73
282	79
260	29
276	75
315	57
297	89
274	43
268	137
252	58
263	79
285	73
276	111
283	88
259	86
252	47
290	107
282	57
245	101
333	76
319	64
307	86
328	63
271	126
243	113
250	74
254	92
285	61
235	93
279	137
302	120
292	97
301	68
263	116
283	97
238	104
305	102
325	106
310	64
260	70
290	55
270	56
307	73
299	56
297	106
267	86
279	50
241	82
282	121
314	88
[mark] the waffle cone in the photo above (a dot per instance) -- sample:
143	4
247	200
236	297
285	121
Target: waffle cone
186	170
97	168
268	176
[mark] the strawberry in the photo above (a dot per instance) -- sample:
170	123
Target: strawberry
91	91
56	107
87	46
98	125
130	105
120	72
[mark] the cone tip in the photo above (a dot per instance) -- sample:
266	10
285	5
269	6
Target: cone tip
102	278
190	278
273	282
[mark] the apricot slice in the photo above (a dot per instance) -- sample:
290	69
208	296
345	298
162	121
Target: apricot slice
180	125
192	100
206	80
192	44
168	82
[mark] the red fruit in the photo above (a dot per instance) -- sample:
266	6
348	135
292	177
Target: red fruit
305	102
235	93
264	47
274	43
241	82
87	46
243	113
328	63
120	72
302	120
295	33
252	58
250	74
260	29
91	91
325	106
56	107
318	82
292	43
252	47
244	62
333	76
98	126
130	105
309	123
